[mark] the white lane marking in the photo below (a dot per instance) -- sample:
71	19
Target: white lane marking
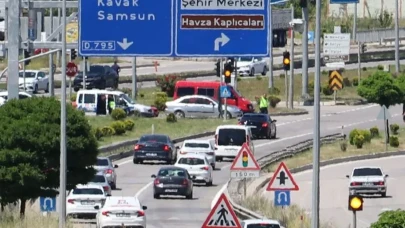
124	162
216	197
143	189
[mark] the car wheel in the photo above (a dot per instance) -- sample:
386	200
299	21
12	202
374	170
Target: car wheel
268	135
136	161
36	89
113	186
384	194
76	89
190	196
218	159
213	167
252	72
264	72
179	114
275	134
47	88
156	196
209	183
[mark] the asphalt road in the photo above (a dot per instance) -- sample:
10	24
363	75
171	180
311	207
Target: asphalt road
135	179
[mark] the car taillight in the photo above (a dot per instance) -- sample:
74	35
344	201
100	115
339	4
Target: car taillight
141	213
265	125
72	201
105	213
137	147
205	168
185	182
379	183
109	171
106	188
183	152
355	183
240	123
166	148
156	182
210	153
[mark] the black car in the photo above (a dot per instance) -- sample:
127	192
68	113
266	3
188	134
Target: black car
98	77
173	181
262	125
155	148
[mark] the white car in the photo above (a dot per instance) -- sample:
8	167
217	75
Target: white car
81	201
368	180
260	223
121	211
204	147
251	66
21	95
35	81
197	165
2	101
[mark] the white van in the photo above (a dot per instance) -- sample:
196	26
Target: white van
260	223
86	100
229	140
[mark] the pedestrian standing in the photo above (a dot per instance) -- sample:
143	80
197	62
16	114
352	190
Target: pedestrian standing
116	67
264	104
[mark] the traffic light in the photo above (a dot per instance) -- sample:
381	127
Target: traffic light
363	47
218	68
355	203
245	159
286	60
228	72
27	55
73	54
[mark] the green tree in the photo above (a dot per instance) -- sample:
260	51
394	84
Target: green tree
381	88
31	127
385	19
390	219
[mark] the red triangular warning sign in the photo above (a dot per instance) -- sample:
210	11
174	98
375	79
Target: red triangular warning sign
222	215
245	160
282	180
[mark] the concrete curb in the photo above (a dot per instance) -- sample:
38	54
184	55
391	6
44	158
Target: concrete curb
289	113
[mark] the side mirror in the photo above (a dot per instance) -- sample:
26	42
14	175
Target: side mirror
177	147
347	176
193	177
386	175
274	121
153	176
115	166
144	208
97	207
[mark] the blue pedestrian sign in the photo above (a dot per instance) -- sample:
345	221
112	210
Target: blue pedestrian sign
343	1
206	28
47	204
225	92
311	36
126	28
282	198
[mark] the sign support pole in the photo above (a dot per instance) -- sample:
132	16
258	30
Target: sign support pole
286	88
271	79
359	60
397	66
354	35
291	87
226	108
23	70
51	76
84	72
354	219
334	96
134	83
305	52
244	188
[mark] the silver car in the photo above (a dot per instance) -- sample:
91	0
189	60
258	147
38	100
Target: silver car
200	107
101	180
105	165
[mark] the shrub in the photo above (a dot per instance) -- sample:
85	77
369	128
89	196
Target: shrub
73	97
107	131
273	101
358	141
364	68
375	132
258	78
380	67
325	72
353	134
274	91
326	90
171	118
282	76
98	133
355	82
160	101
346	82
366	134
119	127
167	83
343	146
118	114
126	90
142	95
394	142
394	128
129	125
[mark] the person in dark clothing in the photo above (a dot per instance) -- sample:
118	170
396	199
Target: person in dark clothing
101	105
116	68
220	108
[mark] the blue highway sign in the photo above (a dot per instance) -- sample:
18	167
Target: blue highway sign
282	198
222	28
47	204
225	91
311	36
126	28
343	1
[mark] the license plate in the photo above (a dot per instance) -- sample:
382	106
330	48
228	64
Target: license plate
123	215
171	190
151	154
88	202
367	184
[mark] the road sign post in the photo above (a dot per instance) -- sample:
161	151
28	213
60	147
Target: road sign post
385	115
71	71
336	47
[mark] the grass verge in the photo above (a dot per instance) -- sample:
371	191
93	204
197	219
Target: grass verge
294	216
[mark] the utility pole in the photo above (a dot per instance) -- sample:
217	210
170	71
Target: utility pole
291	87
305	18
13	48
271	79
58	38
354	35
397	66
134	83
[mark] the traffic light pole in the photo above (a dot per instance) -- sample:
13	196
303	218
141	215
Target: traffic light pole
134	83
271	79
354	219
291	87
286	88
359	61
84	72
51	76
23	70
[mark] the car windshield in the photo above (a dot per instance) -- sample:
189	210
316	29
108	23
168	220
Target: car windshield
263	226
27	75
254	118
367	172
153	138
127	99
102	162
96	69
191	161
231	137
87	191
245	59
98	179
172	173
197	145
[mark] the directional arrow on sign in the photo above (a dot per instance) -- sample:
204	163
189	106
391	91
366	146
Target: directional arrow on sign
335	80
125	44
223	40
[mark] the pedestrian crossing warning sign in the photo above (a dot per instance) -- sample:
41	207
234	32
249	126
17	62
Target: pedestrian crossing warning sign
222	215
225	92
